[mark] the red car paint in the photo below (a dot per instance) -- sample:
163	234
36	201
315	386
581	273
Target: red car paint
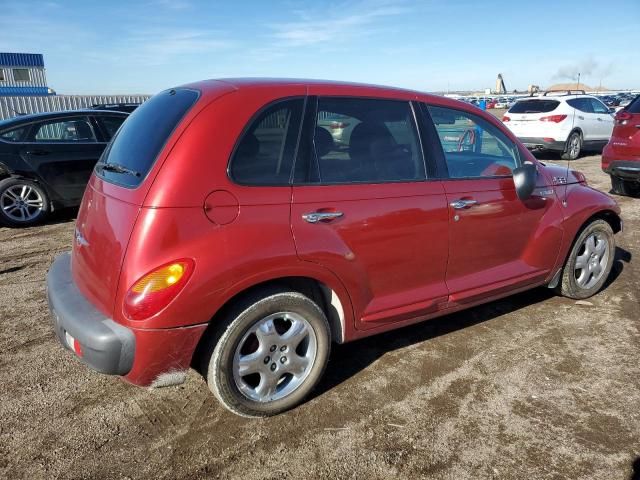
624	145
397	257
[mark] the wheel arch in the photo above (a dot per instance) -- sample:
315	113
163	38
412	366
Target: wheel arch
334	305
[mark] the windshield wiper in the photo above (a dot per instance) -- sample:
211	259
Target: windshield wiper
117	168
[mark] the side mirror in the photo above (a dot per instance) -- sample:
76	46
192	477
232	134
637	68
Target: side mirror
525	179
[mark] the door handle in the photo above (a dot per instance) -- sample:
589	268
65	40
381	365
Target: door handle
460	204
580	117
315	217
37	152
599	119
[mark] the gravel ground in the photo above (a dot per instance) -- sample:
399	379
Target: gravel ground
532	386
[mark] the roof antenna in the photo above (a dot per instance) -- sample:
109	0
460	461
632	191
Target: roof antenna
573	124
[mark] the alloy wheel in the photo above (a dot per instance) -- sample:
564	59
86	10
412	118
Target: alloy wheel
274	357
592	260
21	203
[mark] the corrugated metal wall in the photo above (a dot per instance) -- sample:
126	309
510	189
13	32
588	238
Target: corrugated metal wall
14	106
37	77
22	59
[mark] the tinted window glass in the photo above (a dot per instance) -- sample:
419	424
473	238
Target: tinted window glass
634	107
582	104
69	130
264	155
140	140
598	106
366	140
14	135
111	125
472	146
534	106
21	74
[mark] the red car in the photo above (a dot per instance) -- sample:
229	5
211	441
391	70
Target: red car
225	227
621	156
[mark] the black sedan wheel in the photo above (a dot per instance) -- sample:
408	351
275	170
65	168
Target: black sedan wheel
22	202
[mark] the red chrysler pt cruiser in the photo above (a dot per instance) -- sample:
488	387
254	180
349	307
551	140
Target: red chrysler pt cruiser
244	225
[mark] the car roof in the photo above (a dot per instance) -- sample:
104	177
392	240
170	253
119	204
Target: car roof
254	82
31	117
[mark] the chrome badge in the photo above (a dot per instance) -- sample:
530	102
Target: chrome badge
80	239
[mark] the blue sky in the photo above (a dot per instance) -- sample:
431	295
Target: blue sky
144	46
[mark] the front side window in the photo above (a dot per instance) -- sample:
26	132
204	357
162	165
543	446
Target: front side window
359	140
21	74
69	130
264	155
472	146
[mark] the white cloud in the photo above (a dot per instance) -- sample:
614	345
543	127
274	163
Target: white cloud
334	24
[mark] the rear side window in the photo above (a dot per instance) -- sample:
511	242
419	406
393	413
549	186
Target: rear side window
534	106
110	125
582	104
138	143
264	155
359	140
472	146
634	107
14	135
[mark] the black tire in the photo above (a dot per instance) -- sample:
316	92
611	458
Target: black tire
11	217
571	153
569	286
624	187
218	355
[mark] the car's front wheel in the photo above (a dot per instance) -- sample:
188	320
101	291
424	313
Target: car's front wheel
589	262
271	354
22	202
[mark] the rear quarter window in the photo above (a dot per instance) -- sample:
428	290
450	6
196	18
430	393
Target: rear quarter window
534	106
138	143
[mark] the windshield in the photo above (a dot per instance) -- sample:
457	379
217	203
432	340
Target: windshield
142	136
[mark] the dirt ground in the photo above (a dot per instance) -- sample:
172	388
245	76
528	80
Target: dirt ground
533	386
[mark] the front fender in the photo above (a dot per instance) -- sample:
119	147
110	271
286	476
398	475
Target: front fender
581	204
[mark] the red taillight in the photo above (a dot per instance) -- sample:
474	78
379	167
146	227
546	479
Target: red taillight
157	289
77	347
553	118
505	118
622	117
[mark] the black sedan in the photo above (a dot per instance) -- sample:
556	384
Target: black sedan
46	160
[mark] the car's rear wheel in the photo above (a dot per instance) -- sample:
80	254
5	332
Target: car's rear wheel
271	354
22	202
589	262
624	187
573	147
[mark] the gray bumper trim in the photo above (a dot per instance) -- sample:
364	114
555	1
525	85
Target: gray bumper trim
107	346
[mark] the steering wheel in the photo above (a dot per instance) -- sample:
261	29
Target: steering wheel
468	139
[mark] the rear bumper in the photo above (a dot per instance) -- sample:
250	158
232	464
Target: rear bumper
537	143
105	345
625	169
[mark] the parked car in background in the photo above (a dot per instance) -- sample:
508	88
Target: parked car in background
568	123
491	103
46	160
249	252
502	103
116	107
621	156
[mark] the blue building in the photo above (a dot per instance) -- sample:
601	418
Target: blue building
23	74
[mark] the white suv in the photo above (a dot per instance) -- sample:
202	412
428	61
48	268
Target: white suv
565	123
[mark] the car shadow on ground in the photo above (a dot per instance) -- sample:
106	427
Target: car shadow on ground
635	473
349	359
